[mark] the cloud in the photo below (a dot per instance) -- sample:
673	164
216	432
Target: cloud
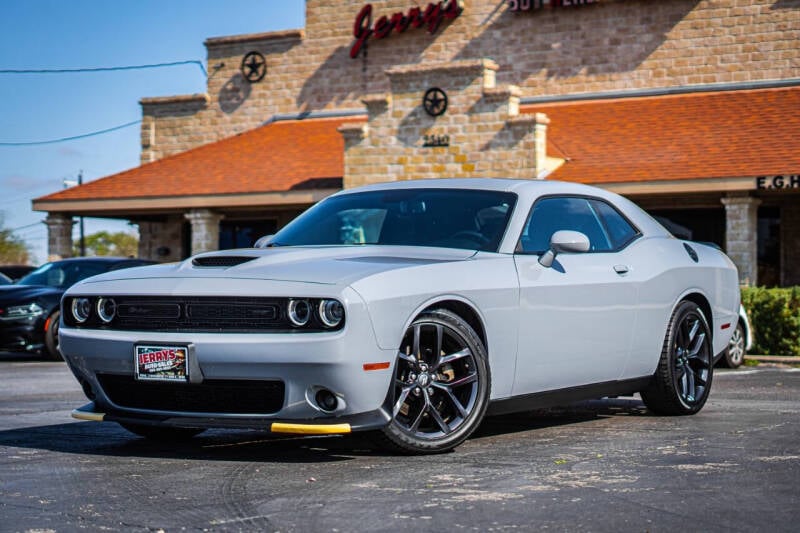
18	182
66	151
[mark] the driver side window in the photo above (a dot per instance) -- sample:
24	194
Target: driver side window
563	213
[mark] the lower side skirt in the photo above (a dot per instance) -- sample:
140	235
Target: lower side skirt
541	400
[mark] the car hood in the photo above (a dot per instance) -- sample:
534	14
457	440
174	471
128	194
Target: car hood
333	265
11	294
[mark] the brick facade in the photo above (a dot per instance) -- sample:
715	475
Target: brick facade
611	45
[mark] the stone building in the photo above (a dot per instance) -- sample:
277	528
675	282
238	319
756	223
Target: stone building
688	107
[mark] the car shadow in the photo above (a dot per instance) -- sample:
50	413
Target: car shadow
91	438
577	413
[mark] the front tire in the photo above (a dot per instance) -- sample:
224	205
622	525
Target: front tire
734	354
682	380
441	385
51	350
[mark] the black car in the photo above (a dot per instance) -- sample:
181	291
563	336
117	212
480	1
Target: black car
5	280
15	272
29	309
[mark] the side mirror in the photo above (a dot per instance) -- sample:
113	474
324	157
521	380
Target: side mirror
262	242
564	241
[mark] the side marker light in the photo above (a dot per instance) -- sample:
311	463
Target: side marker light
376	366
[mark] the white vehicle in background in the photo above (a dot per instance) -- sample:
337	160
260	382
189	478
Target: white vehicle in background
741	342
410	310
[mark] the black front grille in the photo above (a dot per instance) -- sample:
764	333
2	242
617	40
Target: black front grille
209	314
211	396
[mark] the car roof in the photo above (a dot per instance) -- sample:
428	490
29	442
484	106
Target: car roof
539	187
528	191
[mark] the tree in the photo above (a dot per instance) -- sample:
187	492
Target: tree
13	250
104	243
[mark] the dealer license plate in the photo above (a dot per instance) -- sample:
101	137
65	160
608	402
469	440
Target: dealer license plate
161	363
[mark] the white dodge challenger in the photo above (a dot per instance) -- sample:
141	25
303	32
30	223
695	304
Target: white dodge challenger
410	310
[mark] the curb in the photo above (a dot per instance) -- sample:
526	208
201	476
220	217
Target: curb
792	360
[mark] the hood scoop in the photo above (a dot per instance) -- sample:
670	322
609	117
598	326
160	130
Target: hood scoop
221	261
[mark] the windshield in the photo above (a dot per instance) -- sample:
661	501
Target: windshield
62	274
450	218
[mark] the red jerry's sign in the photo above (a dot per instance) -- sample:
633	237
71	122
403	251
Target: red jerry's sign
416	17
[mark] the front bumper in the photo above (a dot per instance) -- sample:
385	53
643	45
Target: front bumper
342	362
23	335
339	426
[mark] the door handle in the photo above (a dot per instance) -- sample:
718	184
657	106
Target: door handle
621	269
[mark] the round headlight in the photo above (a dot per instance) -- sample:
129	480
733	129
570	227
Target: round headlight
81	309
331	312
106	309
299	312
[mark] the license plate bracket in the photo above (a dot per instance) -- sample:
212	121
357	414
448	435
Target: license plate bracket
157	362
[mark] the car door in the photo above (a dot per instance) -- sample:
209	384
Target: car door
577	317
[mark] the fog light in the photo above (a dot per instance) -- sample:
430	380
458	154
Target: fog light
299	312
106	309
326	400
81	309
331	312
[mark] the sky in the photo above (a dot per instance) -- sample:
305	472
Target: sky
61	34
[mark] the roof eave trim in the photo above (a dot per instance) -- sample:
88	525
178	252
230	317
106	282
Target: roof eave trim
110	206
662	91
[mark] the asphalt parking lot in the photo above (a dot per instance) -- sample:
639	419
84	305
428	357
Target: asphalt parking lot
599	466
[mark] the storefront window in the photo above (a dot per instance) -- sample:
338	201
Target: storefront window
244	233
701	225
769	246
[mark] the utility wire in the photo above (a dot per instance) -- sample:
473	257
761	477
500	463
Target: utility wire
104	69
73	138
28	226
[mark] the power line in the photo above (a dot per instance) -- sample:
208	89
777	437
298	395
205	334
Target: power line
27	226
104	69
73	138
27	195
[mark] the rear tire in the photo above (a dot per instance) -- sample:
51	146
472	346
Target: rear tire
682	380
162	434
441	385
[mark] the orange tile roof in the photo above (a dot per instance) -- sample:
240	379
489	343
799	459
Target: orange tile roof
688	136
281	156
739	133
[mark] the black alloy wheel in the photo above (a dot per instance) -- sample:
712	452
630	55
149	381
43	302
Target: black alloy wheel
441	385
682	380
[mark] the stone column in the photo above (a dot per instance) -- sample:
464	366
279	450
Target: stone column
741	236
205	230
161	240
59	236
540	144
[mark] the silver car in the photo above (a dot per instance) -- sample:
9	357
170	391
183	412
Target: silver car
409	310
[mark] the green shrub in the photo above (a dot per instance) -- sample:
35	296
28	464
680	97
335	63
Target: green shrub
774	318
